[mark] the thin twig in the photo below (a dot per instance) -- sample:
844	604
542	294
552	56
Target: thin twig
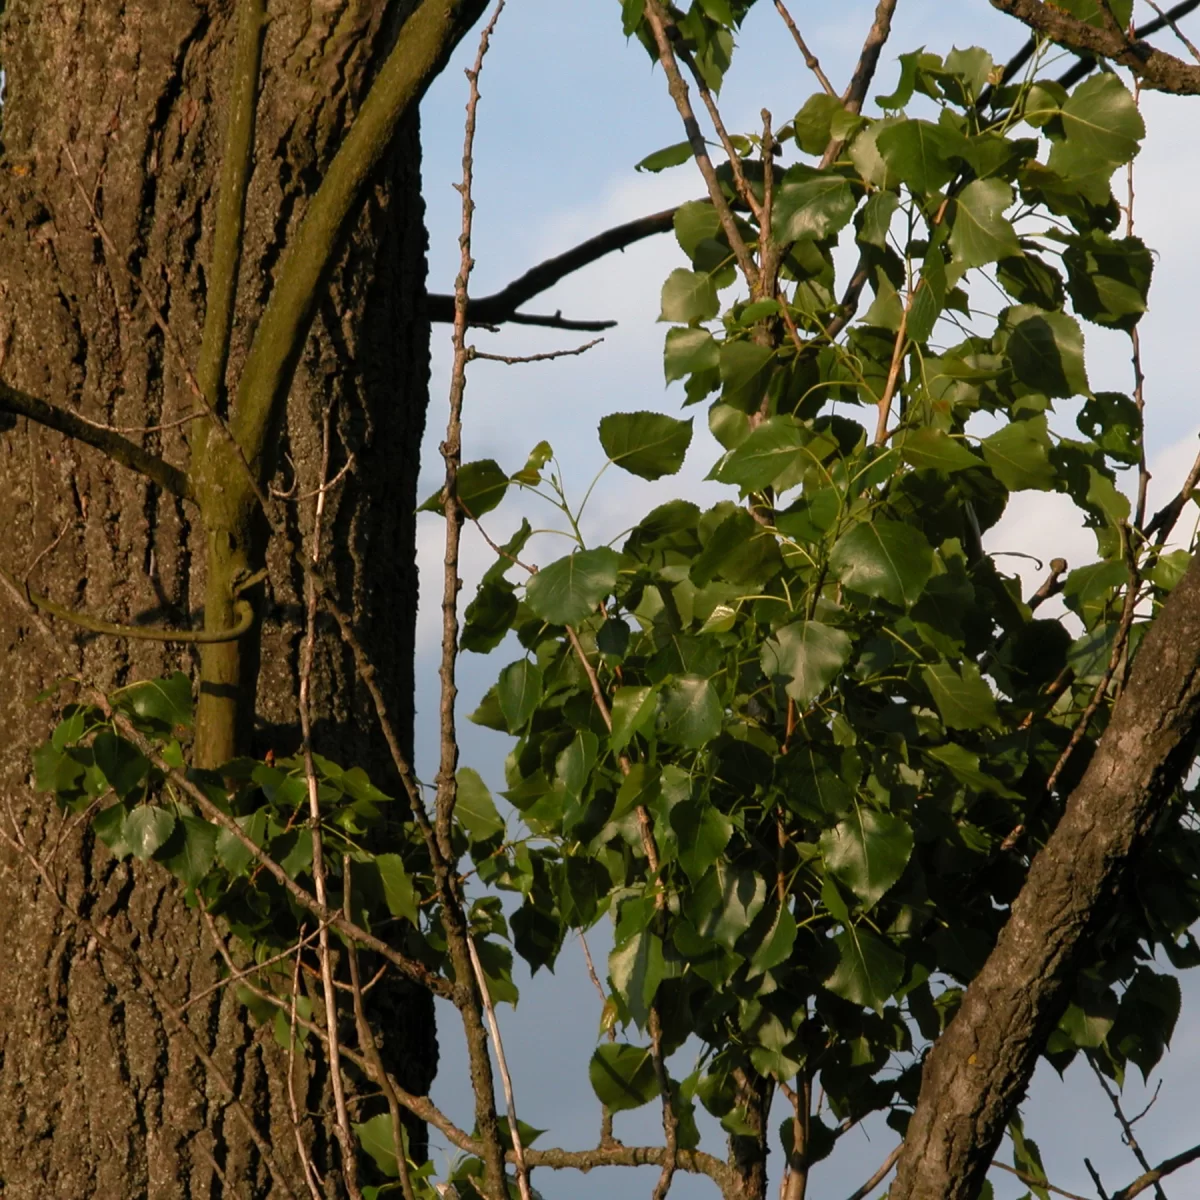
236	976
345	1135
514	1128
1164	521
463	955
1126	1128
1176	30
1034	1181
473	354
810	59
658	19
1166	1167
311	1176
370	1050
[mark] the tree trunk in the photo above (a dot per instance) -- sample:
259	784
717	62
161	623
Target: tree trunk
98	1095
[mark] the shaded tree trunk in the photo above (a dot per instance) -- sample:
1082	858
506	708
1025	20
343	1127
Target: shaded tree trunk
98	1097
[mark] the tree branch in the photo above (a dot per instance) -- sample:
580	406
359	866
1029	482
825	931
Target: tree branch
980	1067
1155	68
108	442
1166	1167
501	307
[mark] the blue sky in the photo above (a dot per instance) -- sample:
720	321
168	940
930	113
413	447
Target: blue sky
568	108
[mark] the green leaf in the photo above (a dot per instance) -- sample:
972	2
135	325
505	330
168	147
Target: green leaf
623	1076
931	449
884	558
1046	351
1109	280
868	852
475	808
812	123
375	1137
649	445
164	702
636	969
109	827
632	710
690	712
689	296
920	153
398	892
876	218
1028	279
769	450
191	850
668	156
810	204
1019	455
703	832
964	700
689	349
725	902
146	829
481	486
489	616
981	234
808	655
519	689
233	855
567	591
531	473
776	947
1102	125
869	969
123	764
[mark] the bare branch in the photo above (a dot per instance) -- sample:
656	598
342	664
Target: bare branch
345	1137
1130	1138
366	1043
810	59
473	354
500	308
1167	1167
463	956
107	441
1025	1177
659	22
868	59
514	1128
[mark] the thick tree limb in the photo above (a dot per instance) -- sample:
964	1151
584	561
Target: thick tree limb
1158	70
424	44
501	307
980	1067
119	449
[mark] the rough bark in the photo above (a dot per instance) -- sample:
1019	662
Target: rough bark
978	1070
97	1097
1154	68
